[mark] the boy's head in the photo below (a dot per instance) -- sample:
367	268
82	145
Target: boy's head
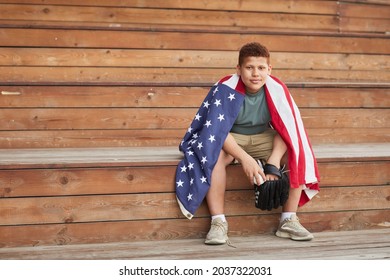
253	49
254	66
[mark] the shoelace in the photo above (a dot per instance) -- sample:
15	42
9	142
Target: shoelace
230	244
295	224
221	227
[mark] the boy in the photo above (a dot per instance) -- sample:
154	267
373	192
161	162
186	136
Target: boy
237	115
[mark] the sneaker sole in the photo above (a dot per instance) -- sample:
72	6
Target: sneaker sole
293	237
215	242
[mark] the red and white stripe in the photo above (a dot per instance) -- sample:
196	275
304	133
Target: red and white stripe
287	121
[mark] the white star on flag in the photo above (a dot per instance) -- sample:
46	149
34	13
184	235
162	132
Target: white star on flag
180	183
221	117
231	96
197	117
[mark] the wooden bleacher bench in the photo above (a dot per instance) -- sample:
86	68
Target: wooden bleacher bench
99	195
95	97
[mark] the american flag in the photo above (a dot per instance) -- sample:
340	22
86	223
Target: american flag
206	135
202	144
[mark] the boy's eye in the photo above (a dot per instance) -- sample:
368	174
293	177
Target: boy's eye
251	68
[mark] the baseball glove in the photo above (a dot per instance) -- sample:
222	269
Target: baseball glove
272	194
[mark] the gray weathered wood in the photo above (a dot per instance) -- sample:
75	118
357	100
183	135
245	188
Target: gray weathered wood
347	245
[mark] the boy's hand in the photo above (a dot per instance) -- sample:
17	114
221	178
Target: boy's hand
253	170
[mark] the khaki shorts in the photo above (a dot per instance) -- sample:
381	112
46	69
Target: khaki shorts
259	146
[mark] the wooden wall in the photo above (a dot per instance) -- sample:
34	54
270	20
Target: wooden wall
105	77
132	73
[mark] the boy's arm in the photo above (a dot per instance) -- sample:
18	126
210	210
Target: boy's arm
249	165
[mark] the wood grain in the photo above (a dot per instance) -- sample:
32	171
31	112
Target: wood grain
25	139
168	118
372	244
184	59
312	96
111	39
167	16
328	7
132	180
179	229
124	207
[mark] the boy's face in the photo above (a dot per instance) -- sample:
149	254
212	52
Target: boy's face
254	71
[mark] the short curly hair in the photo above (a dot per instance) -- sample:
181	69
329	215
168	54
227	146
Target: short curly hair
253	49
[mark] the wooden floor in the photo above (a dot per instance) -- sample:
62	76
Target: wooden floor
342	245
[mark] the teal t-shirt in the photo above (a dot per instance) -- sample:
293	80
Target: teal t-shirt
254	116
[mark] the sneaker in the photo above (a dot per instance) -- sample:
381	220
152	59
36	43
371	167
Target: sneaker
292	228
217	234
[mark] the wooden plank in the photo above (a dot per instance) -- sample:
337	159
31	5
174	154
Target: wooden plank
13	37
337	245
167	16
349	135
92	138
156	156
119	180
110	96
97	118
364	25
384	2
364	10
22	75
124	207
162	137
184	28
341	97
352	152
156	97
294	6
167	229
340	118
167	118
184	59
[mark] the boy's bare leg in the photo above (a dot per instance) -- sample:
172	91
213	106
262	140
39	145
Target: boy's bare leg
216	195
279	150
218	233
289	226
231	150
278	157
291	204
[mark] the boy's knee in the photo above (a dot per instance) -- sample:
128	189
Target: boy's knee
224	158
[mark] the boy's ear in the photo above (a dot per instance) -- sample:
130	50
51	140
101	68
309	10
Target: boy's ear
269	69
238	70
